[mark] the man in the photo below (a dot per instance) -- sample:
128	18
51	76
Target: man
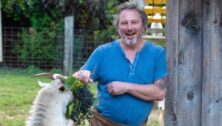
131	72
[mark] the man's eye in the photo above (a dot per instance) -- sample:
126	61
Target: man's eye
124	23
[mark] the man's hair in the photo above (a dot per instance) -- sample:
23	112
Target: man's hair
129	6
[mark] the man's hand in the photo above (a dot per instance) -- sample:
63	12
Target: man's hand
118	88
83	75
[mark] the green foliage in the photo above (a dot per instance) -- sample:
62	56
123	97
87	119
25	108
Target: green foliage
47	20
96	16
39	45
32	69
91	15
55	70
105	35
40	40
73	84
15	8
79	109
29	70
32	9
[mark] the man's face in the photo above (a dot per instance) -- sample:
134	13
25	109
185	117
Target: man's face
130	27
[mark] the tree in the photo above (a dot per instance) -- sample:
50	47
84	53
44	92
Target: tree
47	20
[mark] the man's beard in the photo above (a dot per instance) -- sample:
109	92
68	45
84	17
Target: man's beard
130	42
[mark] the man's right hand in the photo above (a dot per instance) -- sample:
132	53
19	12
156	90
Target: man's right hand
83	75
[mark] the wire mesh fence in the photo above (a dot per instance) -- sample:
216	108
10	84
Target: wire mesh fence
23	47
83	47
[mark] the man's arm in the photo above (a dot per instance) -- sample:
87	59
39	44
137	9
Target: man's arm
149	92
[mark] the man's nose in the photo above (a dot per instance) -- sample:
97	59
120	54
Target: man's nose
129	26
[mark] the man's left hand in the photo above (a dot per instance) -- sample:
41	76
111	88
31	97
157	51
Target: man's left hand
118	88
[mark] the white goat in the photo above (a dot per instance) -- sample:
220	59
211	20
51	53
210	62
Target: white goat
50	105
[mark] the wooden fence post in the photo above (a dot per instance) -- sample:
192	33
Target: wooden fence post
68	50
212	64
184	45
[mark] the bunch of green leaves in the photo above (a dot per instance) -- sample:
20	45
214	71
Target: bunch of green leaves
79	109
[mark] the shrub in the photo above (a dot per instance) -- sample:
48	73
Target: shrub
39	48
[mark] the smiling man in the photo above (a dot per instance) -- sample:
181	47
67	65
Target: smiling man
131	72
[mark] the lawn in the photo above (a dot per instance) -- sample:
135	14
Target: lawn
17	90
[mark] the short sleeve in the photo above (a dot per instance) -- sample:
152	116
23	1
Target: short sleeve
160	65
92	64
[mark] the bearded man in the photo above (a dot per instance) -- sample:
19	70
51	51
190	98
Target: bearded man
131	72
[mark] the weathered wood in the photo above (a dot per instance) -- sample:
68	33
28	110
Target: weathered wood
184	45
212	63
68	50
172	38
1	51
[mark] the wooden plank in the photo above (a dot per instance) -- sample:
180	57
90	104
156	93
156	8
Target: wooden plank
68	51
190	63
172	38
212	64
184	38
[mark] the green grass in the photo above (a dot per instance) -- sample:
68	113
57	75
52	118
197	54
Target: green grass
17	91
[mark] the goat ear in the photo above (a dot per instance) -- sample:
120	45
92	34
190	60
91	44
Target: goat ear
42	84
62	88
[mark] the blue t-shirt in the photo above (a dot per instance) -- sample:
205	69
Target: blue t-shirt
108	63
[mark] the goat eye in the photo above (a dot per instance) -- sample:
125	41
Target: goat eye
62	88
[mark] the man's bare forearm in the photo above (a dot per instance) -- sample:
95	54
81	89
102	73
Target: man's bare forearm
149	92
